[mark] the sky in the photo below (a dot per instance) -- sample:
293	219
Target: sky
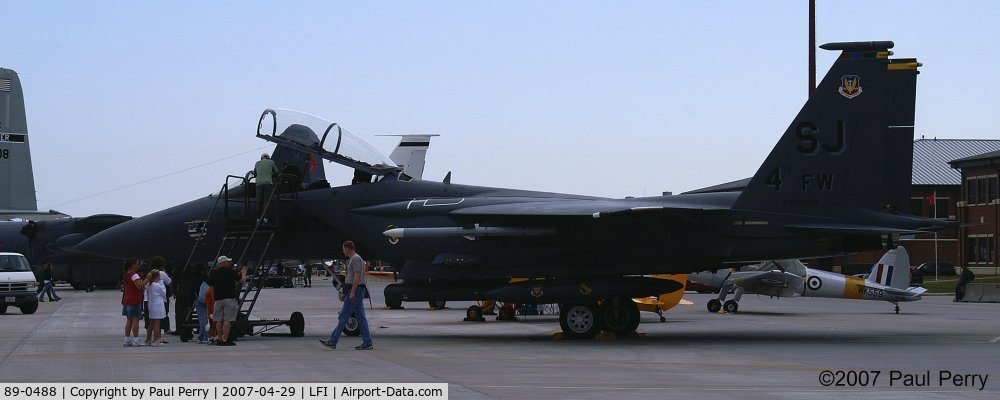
137	106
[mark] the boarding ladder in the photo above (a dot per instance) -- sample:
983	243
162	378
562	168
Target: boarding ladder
251	239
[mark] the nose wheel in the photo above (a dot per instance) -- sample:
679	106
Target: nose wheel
714	305
731	306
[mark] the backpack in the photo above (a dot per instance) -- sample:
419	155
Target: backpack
201	292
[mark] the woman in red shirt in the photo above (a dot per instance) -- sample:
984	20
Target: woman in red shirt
132	301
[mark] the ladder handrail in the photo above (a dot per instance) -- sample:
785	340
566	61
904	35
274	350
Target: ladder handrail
198	240
256	226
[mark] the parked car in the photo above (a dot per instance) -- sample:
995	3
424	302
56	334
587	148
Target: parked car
943	268
18	287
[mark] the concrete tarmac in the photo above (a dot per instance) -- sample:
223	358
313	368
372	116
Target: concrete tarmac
774	348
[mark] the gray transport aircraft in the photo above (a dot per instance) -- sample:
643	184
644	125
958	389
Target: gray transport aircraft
42	235
17	184
837	181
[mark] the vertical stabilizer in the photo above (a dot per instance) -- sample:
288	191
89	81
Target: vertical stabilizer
851	144
411	153
17	184
892	270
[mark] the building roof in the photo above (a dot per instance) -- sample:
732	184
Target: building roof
931	158
984	159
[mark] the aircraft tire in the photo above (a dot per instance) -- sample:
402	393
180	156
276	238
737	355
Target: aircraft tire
507	313
28	308
731	306
619	316
474	313
579	321
437	304
353	327
635	317
394	304
239	328
297	324
714	306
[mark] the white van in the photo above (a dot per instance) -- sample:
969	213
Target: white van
18	286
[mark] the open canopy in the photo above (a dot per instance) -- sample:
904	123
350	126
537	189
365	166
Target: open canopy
336	143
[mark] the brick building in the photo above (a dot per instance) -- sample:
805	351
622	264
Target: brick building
977	212
932	174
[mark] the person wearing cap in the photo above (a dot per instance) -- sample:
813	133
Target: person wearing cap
265	171
355	288
223	281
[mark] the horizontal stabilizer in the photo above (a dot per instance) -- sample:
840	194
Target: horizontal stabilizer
916	290
6	215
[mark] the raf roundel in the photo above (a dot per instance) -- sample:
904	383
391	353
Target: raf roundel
814	283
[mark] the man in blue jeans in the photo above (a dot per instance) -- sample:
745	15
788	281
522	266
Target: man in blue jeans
355	287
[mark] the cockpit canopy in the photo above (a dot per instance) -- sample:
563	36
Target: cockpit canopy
336	143
791	266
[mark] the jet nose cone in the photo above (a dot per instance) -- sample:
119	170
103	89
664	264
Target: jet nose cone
170	233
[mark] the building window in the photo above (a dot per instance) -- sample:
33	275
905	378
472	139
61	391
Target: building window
980	249
993	189
983	190
917	206
970	191
941	207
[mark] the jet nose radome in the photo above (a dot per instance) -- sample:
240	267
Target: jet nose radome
165	233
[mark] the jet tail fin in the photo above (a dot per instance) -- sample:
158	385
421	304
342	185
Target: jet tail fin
411	153
17	183
851	144
892	270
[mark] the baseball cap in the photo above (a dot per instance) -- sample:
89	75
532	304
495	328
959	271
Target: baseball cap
222	259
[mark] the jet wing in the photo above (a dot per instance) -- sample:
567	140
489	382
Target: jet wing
769	283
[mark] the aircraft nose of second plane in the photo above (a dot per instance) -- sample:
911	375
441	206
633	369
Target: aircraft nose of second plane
119	241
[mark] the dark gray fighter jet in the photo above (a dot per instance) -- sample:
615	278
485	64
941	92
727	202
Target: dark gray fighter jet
837	181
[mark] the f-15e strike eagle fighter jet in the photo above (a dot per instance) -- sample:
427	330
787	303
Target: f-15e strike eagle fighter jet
837	181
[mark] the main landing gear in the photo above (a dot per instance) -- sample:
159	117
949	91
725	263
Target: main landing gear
730	306
619	315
